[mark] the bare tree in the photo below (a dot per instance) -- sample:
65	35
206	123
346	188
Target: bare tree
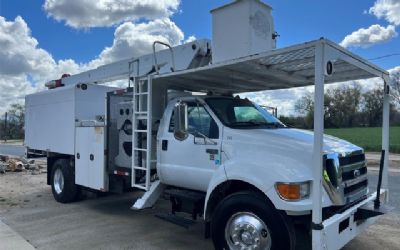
305	107
372	107
15	122
395	86
341	106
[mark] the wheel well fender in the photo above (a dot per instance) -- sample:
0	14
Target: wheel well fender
224	189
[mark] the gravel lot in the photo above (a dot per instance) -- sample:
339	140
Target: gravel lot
27	206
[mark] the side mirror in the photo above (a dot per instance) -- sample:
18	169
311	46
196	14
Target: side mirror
180	121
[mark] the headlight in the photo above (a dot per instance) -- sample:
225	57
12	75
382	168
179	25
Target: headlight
293	191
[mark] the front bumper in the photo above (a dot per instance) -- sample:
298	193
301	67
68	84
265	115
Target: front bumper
339	229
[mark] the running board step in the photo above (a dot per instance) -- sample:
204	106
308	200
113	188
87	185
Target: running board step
186	201
177	220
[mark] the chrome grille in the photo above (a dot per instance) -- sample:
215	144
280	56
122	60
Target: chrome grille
345	177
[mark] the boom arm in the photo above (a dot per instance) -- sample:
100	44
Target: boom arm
190	55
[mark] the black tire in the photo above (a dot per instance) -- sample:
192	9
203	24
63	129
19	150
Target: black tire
69	191
281	230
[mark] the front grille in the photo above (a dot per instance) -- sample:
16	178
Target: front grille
350	175
345	178
351	159
355	187
354	176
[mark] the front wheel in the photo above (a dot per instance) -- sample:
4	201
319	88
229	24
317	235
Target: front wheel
246	220
63	182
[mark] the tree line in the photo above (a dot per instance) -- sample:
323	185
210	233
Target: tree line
14	127
345	106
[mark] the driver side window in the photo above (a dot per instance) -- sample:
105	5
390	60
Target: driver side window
199	120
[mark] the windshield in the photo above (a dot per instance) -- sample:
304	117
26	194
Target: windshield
238	113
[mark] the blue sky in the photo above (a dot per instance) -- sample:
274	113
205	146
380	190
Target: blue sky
52	36
296	22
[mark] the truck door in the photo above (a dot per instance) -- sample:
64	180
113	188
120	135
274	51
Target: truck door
191	162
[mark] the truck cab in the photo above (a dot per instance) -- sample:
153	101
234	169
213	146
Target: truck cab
221	145
229	138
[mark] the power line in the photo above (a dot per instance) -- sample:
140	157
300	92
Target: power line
385	56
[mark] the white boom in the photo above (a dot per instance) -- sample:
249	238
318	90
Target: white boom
182	57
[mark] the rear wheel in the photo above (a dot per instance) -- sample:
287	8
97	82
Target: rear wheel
246	220
63	182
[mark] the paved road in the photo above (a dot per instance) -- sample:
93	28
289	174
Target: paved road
385	234
10	149
108	223
394	186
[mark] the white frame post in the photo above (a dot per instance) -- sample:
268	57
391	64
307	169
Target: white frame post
133	158
149	129
318	146
385	132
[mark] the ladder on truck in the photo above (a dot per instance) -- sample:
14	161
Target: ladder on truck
142	152
141	133
142	127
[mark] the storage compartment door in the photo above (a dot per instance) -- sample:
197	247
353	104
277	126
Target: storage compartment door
89	158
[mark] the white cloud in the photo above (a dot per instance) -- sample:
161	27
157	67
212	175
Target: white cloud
190	39
285	99
394	71
388	9
13	90
137	39
395	81
19	52
104	13
25	67
23	64
375	34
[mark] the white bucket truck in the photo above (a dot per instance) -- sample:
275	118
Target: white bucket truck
218	156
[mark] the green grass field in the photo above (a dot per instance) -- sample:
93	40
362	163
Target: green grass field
368	138
12	141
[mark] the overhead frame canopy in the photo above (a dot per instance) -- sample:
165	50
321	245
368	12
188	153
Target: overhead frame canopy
296	66
277	69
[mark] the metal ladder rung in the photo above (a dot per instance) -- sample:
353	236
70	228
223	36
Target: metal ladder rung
142	117
139	186
140	168
140	149
141	112
140	131
143	93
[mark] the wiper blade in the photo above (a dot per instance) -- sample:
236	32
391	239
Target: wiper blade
251	123
276	124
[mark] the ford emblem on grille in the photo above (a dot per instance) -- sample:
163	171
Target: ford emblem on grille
356	173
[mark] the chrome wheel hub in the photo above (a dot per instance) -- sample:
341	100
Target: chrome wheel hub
245	230
58	181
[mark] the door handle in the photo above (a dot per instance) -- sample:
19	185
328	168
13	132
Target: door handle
164	145
212	151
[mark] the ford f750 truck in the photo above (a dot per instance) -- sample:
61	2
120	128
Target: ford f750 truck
178	128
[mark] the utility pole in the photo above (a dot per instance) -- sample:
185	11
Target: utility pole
274	110
5	128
